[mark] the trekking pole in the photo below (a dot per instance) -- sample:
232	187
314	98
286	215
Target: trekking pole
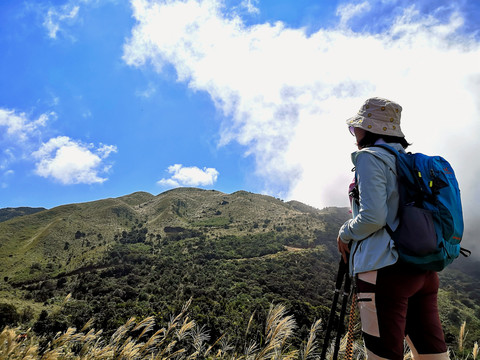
342	269
341	325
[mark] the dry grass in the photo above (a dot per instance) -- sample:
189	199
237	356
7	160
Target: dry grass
462	335
182	339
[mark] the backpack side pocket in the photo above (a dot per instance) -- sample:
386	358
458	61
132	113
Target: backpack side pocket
416	233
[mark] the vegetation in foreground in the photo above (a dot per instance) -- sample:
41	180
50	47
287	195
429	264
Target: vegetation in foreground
182	338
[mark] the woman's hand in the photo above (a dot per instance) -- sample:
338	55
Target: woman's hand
343	249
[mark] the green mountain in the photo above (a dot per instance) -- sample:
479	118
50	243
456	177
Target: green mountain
69	237
142	255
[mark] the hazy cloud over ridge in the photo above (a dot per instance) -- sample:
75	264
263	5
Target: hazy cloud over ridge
285	94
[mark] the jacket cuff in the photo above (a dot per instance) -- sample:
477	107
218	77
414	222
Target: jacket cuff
341	233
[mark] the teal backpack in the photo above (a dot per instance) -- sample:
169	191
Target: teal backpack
430	211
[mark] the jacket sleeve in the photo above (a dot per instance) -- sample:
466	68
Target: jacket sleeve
373	209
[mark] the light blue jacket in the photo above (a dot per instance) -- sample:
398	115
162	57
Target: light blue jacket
372	247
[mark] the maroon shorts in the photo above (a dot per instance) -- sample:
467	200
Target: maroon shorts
398	302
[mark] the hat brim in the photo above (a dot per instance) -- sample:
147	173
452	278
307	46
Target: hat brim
355	121
368	124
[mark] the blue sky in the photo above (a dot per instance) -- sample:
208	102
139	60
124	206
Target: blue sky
102	98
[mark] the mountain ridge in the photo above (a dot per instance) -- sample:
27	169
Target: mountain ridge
12	212
41	236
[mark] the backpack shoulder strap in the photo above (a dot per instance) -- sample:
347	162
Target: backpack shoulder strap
465	252
395	152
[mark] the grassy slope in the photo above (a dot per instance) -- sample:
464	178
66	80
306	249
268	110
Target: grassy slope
40	238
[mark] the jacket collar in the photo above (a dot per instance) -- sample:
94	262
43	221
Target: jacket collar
381	154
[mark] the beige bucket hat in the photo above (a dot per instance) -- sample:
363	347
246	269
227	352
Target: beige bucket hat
379	116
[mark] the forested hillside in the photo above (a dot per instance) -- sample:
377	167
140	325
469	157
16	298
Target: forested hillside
233	255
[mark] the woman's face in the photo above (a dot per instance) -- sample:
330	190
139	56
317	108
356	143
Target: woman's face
359	134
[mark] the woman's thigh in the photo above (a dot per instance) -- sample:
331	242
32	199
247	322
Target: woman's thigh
383	299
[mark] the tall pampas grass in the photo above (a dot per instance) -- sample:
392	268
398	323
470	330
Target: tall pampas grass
462	336
181	339
278	329
309	350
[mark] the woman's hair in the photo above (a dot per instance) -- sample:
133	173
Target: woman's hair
370	139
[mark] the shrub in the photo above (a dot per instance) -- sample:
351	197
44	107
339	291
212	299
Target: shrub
8	315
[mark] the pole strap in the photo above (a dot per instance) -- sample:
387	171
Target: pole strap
351	325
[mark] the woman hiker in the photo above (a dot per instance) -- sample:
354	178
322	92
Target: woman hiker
395	300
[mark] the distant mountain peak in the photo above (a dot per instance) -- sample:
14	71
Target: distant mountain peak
10	213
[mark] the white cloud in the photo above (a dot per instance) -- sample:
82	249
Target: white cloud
348	10
57	16
18	126
18	134
285	95
66	160
104	151
250	6
71	162
189	176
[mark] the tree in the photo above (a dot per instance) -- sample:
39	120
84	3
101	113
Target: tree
8	315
